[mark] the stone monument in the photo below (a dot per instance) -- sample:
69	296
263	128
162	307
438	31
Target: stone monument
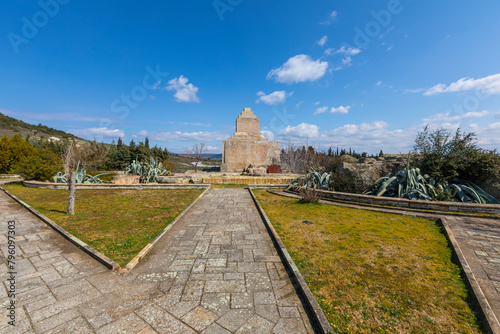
248	146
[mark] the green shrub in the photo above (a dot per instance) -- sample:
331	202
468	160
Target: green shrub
13	150
445	156
40	166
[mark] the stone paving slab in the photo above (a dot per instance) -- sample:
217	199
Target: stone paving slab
479	243
215	271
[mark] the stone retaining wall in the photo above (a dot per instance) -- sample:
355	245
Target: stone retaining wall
9	176
36	184
412	204
248	180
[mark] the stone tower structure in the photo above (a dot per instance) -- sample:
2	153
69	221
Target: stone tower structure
248	146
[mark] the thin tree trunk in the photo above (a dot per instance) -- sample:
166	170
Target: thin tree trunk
72	188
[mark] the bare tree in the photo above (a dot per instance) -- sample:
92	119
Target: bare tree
83	156
195	152
72	193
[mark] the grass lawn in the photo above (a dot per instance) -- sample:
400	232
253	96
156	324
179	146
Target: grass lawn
118	223
373	272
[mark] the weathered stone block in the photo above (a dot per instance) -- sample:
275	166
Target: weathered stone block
248	146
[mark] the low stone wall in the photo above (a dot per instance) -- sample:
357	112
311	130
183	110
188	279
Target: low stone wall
412	204
9	176
36	184
254	180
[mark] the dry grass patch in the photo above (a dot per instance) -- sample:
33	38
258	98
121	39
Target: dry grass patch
118	223
374	272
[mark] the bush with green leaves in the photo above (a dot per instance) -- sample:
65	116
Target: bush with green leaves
445	156
148	172
412	184
409	183
13	150
40	166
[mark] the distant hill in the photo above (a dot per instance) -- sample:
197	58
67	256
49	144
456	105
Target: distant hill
209	156
10	126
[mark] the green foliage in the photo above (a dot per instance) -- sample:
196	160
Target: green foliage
81	176
105	177
148	172
327	181
13	150
412	184
311	180
40	166
120	156
445	156
12	123
169	166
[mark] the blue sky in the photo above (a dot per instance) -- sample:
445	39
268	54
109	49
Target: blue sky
361	74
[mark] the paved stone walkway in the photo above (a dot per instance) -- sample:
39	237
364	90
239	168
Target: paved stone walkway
215	271
479	240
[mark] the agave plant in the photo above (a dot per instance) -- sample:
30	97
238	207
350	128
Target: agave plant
311	180
148	172
80	177
411	184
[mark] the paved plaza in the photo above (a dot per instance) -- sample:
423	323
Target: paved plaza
479	240
215	271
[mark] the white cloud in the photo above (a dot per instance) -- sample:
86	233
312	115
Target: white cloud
98	133
199	136
141	134
317	103
184	92
449	117
348	51
340	110
302	130
370	137
331	17
347	61
299	68
329	51
320	110
487	136
322	41
299	104
212	149
274	98
487	85
268	134
379	83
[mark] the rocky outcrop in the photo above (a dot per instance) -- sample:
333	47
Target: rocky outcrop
369	170
348	159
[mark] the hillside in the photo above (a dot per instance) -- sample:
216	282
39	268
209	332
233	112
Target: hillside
208	156
10	126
